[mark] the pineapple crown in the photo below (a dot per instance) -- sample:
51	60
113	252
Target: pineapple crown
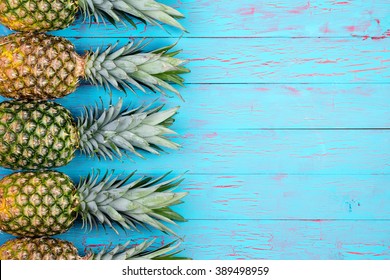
114	11
129	68
143	202
140	252
109	133
39	248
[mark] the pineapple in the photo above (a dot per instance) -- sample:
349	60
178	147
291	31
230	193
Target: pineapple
43	134
48	15
45	248
46	203
41	66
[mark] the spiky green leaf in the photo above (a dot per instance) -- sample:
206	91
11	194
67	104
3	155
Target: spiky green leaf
112	132
144	201
129	67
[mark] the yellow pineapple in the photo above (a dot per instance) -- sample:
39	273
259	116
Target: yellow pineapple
47	15
55	249
45	203
41	66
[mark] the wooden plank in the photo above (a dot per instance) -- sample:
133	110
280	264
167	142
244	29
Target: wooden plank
263	152
285	196
254	239
269	194
276	60
254	18
281	196
221	239
221	107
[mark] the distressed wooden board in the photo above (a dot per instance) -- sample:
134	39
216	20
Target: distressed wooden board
275	60
263	152
258	239
287	239
284	196
221	106
257	190
253	18
280	196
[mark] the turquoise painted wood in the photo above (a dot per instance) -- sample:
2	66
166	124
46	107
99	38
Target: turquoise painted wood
275	60
285	129
249	18
253	106
263	152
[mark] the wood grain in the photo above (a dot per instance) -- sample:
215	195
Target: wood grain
275	60
280	196
252	106
348	152
285	129
262	152
258	239
284	196
260	18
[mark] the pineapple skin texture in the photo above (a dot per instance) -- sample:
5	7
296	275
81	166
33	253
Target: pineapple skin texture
36	135
38	249
34	204
38	15
38	66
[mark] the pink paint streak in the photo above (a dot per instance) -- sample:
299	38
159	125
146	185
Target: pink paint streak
325	29
280	177
210	135
327	61
226	187
300	9
193	189
262	89
188	135
259	249
246	11
378	37
293	91
369	69
355	253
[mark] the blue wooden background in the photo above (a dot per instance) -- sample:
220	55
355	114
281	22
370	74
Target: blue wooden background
285	129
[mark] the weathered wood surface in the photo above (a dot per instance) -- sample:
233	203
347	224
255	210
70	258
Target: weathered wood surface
263	152
252	106
282	196
254	18
259	239
275	60
256	239
285	129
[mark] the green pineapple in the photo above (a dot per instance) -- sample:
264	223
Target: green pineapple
41	66
46	203
48	15
45	248
43	134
